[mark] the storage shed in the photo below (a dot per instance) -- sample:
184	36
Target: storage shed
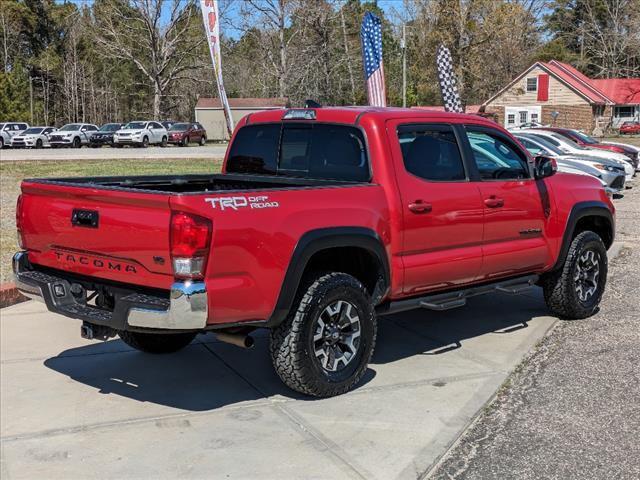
210	114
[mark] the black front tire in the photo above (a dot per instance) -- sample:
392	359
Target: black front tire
77	143
164	142
560	286
38	143
157	342
185	142
145	142
292	342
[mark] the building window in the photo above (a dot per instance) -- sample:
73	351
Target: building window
534	118
523	116
511	119
623	112
532	84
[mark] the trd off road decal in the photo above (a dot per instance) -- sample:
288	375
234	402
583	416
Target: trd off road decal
234	203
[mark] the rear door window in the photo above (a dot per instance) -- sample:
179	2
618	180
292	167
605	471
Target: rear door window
308	150
431	152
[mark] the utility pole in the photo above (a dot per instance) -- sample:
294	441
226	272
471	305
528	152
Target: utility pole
31	97
403	46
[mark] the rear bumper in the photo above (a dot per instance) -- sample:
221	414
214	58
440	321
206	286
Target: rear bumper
182	308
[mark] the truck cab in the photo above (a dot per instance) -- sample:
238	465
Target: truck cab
322	220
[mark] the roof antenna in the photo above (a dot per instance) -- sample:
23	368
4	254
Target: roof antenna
308	103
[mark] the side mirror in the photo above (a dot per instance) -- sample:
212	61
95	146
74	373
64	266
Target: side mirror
544	166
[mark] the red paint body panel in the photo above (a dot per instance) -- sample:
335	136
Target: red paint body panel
460	241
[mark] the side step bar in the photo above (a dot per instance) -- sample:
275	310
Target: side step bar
458	298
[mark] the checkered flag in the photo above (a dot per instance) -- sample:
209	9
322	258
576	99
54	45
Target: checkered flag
448	84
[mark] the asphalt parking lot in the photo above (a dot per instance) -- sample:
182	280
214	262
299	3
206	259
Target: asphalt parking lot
108	153
72	408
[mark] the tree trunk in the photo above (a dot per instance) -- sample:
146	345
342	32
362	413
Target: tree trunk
282	82
157	93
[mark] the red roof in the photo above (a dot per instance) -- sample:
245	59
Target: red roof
257	103
621	90
577	80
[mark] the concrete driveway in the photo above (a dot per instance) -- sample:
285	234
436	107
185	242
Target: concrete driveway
71	408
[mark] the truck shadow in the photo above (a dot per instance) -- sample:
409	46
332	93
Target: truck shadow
209	374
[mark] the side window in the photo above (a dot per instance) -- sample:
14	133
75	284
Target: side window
496	157
255	150
532	148
156	125
431	152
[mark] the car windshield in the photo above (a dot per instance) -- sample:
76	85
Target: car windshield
110	127
134	126
72	127
585	138
544	143
179	126
32	131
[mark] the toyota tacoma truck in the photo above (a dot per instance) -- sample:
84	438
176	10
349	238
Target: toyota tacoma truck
322	220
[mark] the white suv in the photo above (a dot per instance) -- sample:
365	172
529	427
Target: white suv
9	130
141	134
72	135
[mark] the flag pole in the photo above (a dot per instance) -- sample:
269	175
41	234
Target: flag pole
210	17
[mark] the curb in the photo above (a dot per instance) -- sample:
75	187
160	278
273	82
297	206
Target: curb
9	295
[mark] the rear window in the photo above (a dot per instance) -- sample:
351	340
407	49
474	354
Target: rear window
308	150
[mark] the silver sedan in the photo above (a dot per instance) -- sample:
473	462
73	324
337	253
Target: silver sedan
33	137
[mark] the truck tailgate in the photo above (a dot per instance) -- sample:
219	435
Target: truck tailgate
114	234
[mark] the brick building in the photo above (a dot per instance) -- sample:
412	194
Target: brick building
557	94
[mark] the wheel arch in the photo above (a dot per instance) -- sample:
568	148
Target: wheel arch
594	216
358	251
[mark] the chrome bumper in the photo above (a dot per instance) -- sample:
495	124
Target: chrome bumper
184	309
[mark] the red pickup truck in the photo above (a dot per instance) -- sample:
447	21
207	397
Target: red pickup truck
321	220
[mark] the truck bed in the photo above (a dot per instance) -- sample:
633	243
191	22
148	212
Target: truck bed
194	184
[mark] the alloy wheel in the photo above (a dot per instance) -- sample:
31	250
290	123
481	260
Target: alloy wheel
336	336
587	274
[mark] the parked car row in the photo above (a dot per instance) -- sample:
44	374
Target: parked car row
614	164
76	135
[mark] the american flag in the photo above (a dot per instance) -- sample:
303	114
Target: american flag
371	36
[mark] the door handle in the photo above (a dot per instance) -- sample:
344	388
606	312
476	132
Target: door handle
494	202
420	207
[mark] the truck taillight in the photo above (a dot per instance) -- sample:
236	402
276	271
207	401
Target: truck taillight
190	237
19	225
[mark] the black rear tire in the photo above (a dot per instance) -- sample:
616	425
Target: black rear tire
563	289
293	346
203	140
157	342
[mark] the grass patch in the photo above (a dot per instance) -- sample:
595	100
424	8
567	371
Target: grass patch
12	173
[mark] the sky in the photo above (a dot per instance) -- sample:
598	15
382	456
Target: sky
388	6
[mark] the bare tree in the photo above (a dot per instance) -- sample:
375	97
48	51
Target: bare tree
161	46
273	16
611	33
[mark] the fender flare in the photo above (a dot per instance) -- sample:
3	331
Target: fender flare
579	211
315	241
